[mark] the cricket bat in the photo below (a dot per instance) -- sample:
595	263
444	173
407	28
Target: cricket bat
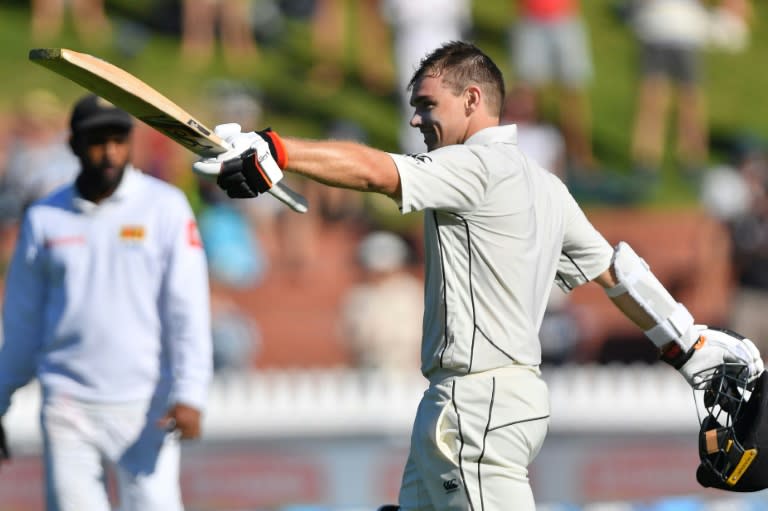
146	104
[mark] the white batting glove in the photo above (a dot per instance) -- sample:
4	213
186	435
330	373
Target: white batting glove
238	141
251	167
714	348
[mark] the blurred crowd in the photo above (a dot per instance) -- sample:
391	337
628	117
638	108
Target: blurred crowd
357	248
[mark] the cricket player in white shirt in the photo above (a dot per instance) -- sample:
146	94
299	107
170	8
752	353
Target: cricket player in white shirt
499	229
107	305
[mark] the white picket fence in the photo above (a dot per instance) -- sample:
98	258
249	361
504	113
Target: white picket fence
338	402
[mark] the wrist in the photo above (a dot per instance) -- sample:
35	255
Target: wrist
276	147
674	354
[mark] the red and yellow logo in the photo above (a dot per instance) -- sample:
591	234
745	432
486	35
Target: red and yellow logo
132	233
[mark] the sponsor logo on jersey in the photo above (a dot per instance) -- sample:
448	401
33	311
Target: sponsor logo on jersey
132	233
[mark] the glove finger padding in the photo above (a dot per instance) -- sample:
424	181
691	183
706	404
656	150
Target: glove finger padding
256	173
240	191
715	347
738	349
232	180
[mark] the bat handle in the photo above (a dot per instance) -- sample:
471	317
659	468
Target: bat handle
292	199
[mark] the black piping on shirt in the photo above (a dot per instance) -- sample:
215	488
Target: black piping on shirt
445	287
445	298
494	344
521	421
575	266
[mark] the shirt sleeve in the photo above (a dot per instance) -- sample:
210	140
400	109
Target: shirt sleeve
586	253
23	310
452	178
185	303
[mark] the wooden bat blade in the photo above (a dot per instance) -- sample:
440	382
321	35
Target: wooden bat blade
146	104
132	95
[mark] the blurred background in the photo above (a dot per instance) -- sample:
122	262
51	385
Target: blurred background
317	316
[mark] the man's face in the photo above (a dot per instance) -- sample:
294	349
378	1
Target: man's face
439	114
104	154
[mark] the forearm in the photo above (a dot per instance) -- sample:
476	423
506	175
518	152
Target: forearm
625	303
636	291
633	311
343	164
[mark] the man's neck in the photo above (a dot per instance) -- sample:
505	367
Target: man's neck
480	124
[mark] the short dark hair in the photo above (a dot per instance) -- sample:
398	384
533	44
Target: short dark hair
460	64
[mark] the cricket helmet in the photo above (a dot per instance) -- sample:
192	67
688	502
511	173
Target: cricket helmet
733	438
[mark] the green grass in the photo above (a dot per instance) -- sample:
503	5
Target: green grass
736	84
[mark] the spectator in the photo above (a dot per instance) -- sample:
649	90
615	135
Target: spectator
89	18
541	141
738	195
729	25
39	159
331	38
550	46
106	304
419	27
200	18
672	37
381	316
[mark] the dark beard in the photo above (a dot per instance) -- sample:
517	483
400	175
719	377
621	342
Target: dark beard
96	184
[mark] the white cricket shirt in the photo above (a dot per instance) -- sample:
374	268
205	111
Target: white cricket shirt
109	302
498	229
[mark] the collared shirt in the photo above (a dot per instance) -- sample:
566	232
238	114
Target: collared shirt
498	230
109	302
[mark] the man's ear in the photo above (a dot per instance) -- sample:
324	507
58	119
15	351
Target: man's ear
473	96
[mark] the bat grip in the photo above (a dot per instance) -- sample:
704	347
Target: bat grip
292	199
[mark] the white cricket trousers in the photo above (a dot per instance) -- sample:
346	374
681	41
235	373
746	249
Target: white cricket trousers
79	437
473	439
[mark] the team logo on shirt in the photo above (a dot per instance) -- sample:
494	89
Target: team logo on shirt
132	233
422	157
193	235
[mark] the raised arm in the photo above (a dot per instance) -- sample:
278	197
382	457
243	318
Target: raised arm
343	164
258	159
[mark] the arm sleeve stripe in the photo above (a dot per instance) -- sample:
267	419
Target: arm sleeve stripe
586	279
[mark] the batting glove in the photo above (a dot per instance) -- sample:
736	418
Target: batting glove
714	348
252	166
